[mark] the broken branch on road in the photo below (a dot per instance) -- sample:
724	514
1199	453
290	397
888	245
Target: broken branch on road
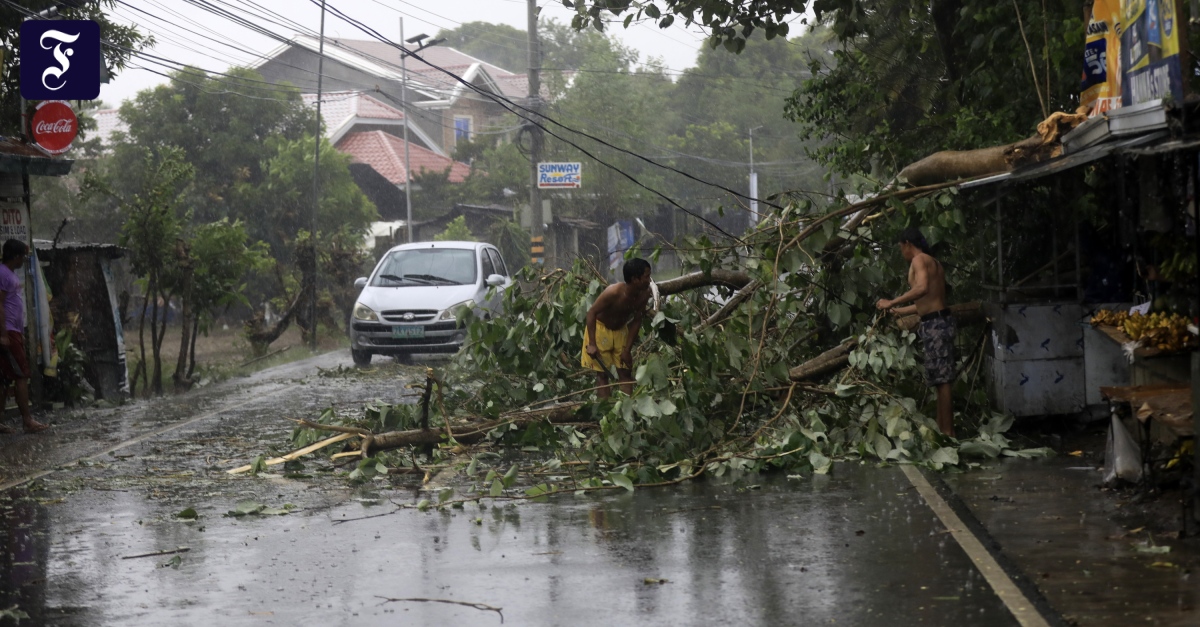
182	549
478	606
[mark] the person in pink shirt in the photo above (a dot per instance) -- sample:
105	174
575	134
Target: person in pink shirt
14	366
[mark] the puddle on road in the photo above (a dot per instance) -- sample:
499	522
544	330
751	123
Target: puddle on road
858	547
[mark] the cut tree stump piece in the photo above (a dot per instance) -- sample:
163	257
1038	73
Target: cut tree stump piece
831	360
298	453
962	312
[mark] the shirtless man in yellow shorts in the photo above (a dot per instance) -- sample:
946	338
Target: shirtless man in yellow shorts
613	323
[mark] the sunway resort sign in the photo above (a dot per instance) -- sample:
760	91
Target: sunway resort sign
1134	54
560	175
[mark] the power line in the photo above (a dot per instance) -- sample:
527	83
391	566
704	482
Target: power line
512	107
162	34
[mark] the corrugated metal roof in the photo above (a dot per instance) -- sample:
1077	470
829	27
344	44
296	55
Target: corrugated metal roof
1065	162
17	157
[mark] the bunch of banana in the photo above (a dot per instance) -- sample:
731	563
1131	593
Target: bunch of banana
1164	331
1110	318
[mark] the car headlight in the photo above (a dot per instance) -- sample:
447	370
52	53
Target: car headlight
362	312
452	311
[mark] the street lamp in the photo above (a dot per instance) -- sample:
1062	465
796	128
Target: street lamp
416	39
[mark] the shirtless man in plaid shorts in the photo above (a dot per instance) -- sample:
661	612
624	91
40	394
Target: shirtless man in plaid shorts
928	295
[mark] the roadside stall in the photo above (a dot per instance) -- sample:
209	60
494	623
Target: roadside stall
18	162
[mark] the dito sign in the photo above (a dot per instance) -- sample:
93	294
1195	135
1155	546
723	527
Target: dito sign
1150	45
60	60
560	175
54	126
12	222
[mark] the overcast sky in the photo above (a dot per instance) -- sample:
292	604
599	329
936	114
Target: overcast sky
213	41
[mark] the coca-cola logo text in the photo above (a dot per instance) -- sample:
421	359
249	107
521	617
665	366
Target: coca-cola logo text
54	126
57	126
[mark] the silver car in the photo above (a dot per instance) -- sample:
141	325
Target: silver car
411	302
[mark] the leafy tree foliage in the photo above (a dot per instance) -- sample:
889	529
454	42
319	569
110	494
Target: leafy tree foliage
563	47
220	260
730	22
152	233
223	125
904	78
284	218
908	79
456	231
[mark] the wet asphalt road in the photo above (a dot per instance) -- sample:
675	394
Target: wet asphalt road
858	547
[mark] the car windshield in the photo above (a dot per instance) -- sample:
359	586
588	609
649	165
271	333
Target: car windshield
426	266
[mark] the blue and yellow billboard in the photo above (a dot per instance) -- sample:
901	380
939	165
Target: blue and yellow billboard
1151	63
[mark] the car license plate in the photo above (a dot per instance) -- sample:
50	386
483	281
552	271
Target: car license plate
408	331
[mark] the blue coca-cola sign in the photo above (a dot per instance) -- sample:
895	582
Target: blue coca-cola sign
60	60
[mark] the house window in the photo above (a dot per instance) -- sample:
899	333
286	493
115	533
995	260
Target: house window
462	128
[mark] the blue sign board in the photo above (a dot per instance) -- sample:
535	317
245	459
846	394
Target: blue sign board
620	239
560	175
60	60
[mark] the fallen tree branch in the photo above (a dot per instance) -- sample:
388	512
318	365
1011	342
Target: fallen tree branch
268	355
728	278
465	434
182	549
478	606
831	360
727	309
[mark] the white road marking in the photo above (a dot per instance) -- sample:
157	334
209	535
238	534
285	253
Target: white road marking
1004	587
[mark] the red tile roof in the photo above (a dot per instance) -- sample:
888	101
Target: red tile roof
385	153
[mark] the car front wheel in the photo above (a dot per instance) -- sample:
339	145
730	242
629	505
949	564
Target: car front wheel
361	358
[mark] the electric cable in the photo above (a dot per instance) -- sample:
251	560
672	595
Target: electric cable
512	106
217	40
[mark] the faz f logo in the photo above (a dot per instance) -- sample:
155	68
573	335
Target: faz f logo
60	60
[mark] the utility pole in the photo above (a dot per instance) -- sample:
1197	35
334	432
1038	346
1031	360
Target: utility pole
316	182
421	44
407	119
753	183
536	232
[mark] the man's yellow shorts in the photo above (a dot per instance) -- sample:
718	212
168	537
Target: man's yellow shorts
611	344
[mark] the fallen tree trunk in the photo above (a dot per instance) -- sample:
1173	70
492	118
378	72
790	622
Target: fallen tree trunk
469	433
260	335
948	165
728	278
963	312
831	360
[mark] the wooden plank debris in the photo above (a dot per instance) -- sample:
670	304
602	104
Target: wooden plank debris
298	453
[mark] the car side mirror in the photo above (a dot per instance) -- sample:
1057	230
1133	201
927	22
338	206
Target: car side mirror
360	282
495	280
